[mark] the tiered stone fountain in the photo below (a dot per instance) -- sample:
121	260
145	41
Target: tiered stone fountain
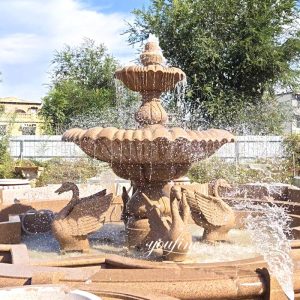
152	155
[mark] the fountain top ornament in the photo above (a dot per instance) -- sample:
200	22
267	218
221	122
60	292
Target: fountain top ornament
152	152
151	80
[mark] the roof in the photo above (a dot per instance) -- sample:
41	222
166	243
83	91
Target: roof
18	101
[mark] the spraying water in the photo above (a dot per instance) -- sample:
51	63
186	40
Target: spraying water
268	226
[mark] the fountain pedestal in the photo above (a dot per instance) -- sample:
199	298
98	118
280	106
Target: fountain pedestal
137	227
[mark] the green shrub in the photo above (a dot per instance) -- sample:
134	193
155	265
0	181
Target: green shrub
6	161
58	170
25	163
292	149
258	171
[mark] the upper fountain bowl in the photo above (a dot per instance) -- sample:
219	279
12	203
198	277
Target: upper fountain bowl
156	78
152	76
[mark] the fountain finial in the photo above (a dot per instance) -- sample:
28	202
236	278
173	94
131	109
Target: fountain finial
152	54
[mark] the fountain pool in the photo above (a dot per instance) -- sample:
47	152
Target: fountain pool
111	240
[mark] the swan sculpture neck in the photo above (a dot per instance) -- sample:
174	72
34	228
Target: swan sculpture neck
215	187
75	191
176	218
69	186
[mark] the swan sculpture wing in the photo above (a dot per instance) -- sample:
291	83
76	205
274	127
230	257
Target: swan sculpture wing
156	222
87	215
214	210
94	196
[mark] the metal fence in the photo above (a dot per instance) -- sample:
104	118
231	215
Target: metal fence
43	147
253	147
246	148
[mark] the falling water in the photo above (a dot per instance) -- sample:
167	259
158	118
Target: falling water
174	102
179	93
268	226
150	163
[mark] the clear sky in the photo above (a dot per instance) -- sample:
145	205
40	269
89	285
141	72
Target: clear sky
31	30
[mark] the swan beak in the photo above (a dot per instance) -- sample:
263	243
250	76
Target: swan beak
59	191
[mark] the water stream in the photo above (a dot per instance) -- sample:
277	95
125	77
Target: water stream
268	226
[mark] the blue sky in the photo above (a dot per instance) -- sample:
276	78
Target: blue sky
116	5
31	30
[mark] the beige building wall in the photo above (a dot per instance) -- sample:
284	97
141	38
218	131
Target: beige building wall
292	102
20	117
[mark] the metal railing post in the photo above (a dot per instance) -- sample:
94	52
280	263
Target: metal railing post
21	149
237	152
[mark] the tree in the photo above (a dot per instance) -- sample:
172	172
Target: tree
82	80
234	52
6	161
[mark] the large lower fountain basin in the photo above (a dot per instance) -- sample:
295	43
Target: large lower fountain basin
104	274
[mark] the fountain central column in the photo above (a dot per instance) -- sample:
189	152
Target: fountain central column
150	113
137	227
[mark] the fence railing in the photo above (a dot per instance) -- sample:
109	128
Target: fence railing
246	148
252	147
43	147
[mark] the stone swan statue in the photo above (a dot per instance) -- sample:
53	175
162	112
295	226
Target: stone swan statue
79	217
210	211
172	233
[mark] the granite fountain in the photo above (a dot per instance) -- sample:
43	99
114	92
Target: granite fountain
152	155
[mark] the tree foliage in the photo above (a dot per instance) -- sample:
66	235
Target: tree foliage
234	52
82	80
6	161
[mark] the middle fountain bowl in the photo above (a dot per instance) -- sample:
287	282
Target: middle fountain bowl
152	153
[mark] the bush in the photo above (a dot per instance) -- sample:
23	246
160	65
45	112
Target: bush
259	171
292	149
57	171
25	163
6	161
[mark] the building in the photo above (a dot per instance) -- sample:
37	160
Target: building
20	117
292	103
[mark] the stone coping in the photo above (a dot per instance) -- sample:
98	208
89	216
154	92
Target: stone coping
231	280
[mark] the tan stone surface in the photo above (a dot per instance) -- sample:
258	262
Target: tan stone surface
14	254
201	281
10	231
